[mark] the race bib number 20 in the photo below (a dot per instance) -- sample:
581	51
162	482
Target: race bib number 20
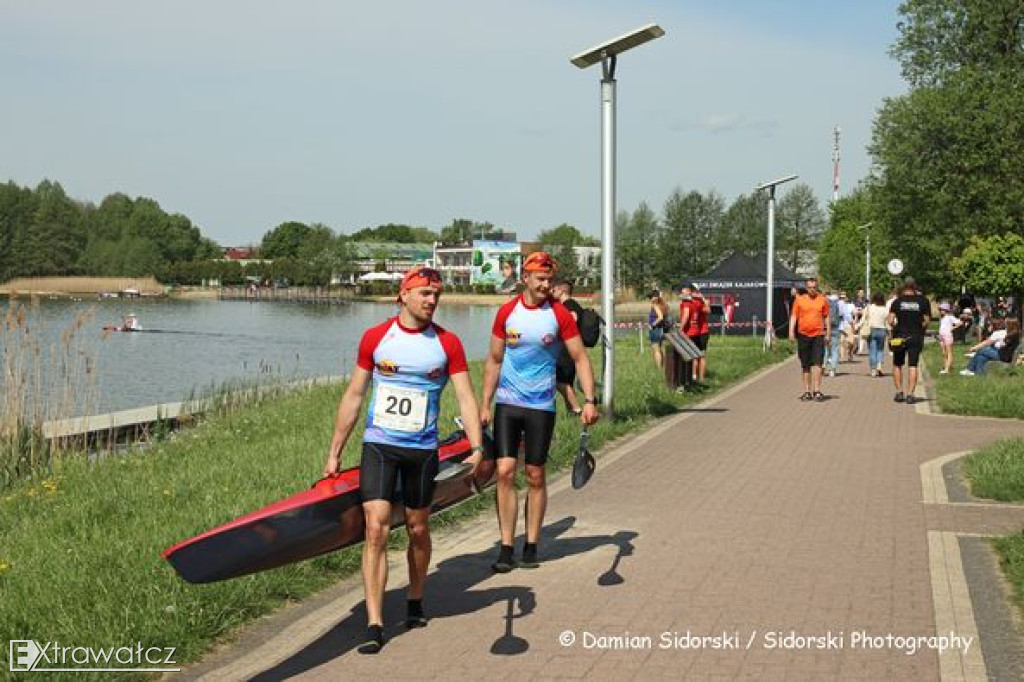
400	409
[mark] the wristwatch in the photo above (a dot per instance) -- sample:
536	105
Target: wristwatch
478	448
591	401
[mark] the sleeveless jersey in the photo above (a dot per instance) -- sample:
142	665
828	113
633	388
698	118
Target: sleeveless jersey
410	369
533	338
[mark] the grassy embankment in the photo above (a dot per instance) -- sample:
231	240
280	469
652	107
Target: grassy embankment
996	471
80	549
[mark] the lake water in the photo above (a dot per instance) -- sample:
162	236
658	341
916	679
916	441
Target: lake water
190	346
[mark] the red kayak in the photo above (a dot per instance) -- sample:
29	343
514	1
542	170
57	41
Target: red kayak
325	518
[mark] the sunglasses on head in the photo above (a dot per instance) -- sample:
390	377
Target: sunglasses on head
545	263
430	274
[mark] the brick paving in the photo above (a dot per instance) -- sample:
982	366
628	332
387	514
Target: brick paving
760	518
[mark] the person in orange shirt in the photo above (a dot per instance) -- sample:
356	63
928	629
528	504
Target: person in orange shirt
809	327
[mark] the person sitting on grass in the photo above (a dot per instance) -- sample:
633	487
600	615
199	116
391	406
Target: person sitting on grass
1000	345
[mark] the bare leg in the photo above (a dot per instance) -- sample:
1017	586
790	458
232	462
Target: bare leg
537	501
897	377
807	380
816	378
418	528
911	380
508	503
375	558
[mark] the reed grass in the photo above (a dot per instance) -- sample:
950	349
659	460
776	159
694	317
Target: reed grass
39	383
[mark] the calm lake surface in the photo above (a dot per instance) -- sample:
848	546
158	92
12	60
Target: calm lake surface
191	346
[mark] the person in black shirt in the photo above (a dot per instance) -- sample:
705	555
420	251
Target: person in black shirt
565	368
908	317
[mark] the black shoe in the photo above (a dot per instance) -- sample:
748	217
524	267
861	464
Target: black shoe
900	397
374	640
414	616
504	564
806	396
911	399
819	397
529	559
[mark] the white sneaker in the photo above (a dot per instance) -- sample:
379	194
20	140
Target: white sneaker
831	372
945	371
966	373
968	355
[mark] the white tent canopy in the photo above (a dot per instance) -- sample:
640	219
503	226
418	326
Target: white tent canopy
380	277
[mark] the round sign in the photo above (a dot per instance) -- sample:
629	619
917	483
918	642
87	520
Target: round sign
895	266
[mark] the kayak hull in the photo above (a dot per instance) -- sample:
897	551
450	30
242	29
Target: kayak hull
325	518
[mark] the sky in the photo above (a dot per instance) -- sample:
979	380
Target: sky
243	114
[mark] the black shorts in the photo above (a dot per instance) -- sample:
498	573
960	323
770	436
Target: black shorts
701	341
383	467
811	350
908	353
511	423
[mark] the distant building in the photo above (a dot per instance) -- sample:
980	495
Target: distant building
389	257
242	254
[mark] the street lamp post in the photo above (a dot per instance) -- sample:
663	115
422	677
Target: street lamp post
867	258
769	332
605	54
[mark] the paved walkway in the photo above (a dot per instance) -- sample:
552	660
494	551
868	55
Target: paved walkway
748	518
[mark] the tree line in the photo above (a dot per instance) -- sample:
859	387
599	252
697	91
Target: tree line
43	232
695	230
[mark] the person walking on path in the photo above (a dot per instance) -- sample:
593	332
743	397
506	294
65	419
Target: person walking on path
908	316
520	373
875	320
409	360
809	327
565	368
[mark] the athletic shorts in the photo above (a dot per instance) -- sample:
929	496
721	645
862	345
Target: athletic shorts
701	341
393	473
512	423
811	350
908	353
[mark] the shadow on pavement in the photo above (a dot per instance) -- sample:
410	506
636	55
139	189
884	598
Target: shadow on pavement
450	592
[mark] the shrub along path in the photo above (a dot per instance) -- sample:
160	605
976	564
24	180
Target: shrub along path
748	518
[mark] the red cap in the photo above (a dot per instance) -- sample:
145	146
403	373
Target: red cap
420	276
539	261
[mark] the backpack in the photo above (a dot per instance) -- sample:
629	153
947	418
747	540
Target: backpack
589	323
835	317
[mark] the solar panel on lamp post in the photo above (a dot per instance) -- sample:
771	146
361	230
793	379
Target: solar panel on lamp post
606	55
769	332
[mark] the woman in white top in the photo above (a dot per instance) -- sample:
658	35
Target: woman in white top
875	318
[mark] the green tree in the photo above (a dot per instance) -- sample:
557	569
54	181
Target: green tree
745	225
689	241
637	239
992	265
403	234
951	151
843	247
284	241
565	235
799	224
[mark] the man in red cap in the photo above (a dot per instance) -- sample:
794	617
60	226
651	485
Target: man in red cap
409	360
527	335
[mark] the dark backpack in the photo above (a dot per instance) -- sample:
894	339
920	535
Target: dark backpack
589	323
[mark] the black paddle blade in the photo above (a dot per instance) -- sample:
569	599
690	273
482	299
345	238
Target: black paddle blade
582	468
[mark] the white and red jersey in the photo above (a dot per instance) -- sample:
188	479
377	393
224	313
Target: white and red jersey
533	338
410	369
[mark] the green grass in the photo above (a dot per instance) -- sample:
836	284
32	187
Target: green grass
997	393
996	471
80	549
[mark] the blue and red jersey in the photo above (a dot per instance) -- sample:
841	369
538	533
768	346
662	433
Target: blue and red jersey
410	369
533	337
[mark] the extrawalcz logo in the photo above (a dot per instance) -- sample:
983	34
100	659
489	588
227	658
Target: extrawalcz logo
27	655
